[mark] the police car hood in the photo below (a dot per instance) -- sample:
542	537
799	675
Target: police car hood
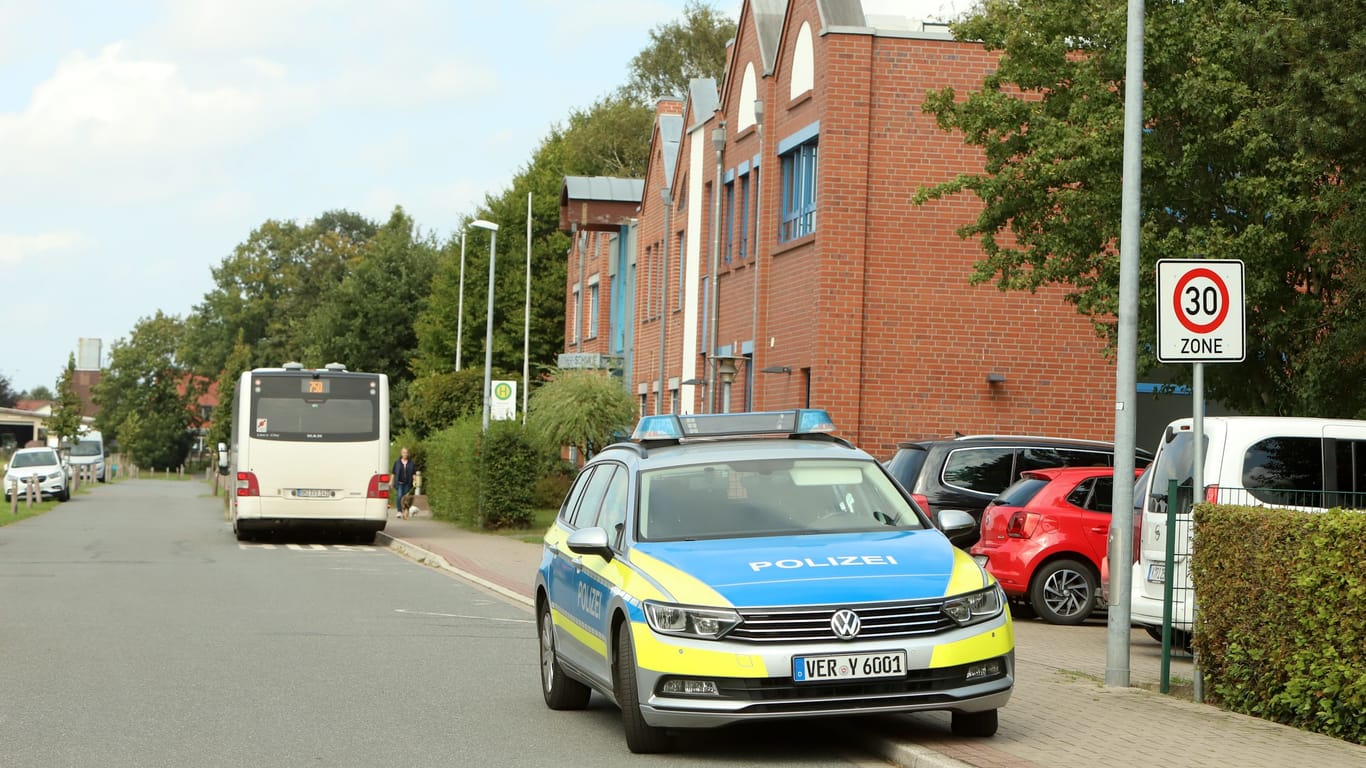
813	569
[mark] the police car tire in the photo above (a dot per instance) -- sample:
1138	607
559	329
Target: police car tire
560	691
641	737
974	724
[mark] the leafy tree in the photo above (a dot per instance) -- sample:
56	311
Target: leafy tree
220	430
438	400
39	392
366	320
611	138
581	409
147	395
8	396
692	47
65	422
269	286
1236	164
435	326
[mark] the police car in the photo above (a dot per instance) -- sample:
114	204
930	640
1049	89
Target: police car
721	568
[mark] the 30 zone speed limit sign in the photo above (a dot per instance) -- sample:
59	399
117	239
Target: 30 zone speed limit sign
1200	315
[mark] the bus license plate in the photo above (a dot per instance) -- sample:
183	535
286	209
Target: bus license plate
848	666
1157	573
312	493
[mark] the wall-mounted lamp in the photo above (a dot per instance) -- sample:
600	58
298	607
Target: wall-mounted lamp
996	378
776	369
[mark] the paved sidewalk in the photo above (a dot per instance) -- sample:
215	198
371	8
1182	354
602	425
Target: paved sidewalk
1061	715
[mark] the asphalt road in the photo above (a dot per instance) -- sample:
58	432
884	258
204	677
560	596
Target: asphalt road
136	631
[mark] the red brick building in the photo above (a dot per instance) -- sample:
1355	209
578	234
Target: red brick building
794	177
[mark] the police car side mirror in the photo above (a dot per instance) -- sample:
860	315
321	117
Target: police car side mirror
957	524
590	541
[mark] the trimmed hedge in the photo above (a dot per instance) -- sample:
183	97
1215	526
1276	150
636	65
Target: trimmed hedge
510	467
481	481
1281	628
450	472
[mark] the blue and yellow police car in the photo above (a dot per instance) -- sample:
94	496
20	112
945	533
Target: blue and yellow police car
719	568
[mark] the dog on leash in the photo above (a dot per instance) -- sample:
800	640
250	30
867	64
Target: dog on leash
406	506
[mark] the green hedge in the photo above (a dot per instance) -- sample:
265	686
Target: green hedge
450	472
481	481
1281	629
511	467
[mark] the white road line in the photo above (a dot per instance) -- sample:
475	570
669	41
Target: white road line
461	616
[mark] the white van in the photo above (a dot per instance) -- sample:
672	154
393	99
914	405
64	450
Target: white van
1299	463
89	450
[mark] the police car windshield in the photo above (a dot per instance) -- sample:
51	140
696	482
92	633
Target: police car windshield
770	497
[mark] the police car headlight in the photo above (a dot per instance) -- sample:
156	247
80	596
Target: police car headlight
975	607
687	621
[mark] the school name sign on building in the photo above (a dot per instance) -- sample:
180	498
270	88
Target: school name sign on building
1200	311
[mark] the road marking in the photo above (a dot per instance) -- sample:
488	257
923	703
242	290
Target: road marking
462	616
365	548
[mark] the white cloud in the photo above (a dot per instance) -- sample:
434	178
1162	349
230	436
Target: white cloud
113	102
18	249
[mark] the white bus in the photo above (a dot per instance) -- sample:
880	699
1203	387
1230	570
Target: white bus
310	448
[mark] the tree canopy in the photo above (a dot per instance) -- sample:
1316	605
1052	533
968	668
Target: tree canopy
690	47
65	422
1249	152
7	394
147	395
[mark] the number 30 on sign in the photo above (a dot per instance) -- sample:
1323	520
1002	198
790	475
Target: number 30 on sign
1200	316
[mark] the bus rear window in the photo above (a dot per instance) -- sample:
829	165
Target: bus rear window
341	409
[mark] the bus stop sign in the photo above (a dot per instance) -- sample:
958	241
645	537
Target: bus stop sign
1200	317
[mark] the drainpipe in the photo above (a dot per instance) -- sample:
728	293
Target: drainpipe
754	254
718	142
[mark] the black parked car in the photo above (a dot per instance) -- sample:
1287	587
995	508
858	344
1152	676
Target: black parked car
968	472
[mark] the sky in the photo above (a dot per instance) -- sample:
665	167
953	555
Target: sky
142	140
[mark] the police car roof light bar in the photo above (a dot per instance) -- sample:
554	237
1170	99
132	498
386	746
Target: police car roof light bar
675	427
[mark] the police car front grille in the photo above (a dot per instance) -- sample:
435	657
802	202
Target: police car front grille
877	620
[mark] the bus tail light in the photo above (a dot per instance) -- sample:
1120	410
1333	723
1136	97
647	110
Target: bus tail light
1212	494
247	484
379	487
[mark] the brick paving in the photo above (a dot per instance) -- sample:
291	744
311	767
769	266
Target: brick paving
1060	716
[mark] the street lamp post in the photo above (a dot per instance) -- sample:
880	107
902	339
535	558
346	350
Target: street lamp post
526	318
488	325
460	311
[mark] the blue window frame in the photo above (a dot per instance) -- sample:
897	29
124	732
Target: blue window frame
799	191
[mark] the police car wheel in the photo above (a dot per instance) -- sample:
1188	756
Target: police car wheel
641	737
559	690
974	724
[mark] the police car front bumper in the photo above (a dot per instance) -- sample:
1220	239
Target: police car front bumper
970	685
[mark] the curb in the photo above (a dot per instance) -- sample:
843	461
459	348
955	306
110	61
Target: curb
419	555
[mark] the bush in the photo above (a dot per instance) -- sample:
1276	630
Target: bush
510	466
450	472
551	489
1281	629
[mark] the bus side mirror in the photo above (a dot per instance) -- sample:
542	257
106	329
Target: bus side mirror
222	458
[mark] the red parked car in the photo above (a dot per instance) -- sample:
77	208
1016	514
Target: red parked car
1044	538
